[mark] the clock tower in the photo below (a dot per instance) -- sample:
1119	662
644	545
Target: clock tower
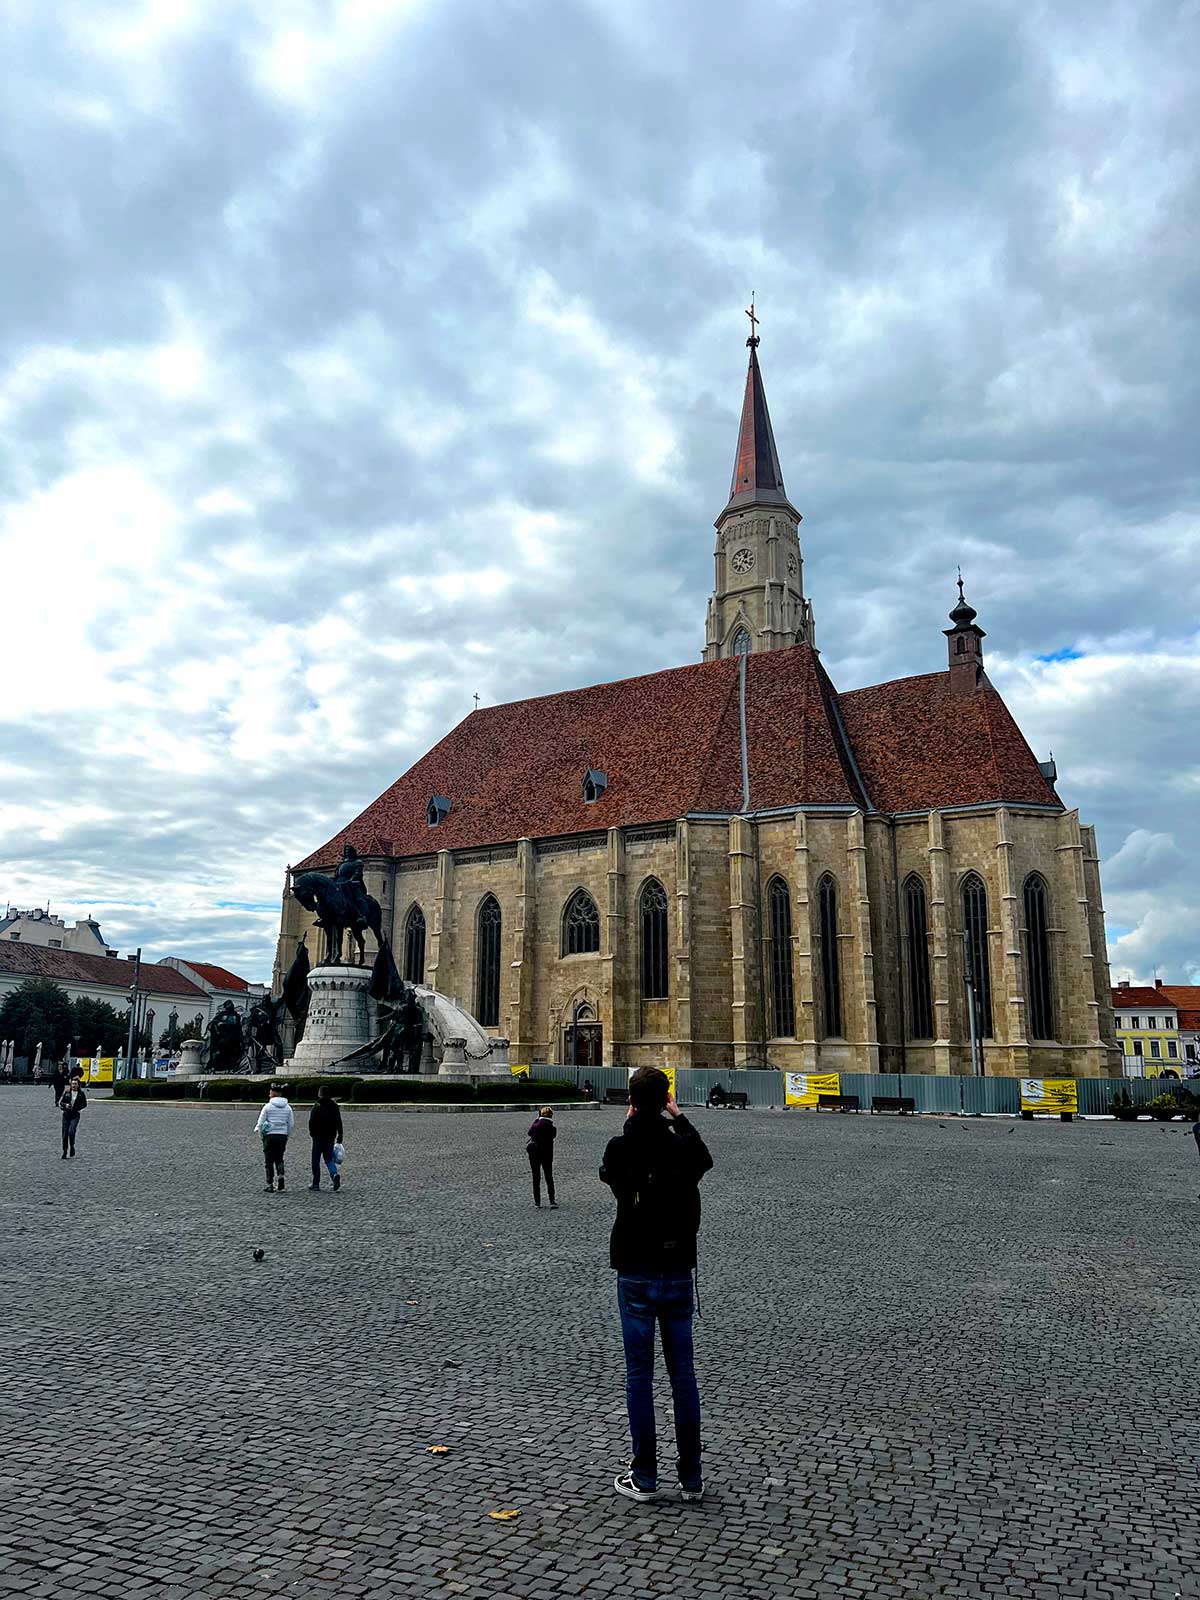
758	596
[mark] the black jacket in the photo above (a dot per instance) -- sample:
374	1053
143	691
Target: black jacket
325	1122
70	1107
654	1167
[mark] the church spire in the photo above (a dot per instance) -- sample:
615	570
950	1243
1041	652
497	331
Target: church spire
757	475
758	597
964	638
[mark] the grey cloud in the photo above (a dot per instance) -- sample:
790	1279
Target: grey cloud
959	368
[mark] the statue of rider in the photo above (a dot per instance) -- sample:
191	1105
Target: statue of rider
349	875
225	1040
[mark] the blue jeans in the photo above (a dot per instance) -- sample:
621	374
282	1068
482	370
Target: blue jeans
322	1150
667	1302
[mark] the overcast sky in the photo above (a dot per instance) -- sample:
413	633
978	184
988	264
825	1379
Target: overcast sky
358	357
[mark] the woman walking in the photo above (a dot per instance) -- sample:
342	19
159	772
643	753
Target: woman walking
325	1130
72	1103
539	1147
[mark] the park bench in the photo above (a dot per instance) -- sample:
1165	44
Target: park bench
729	1097
837	1102
904	1105
616	1097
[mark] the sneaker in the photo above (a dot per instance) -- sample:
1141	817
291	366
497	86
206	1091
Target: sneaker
337	1181
554	1205
313	1188
625	1485
281	1183
692	1494
64	1155
270	1189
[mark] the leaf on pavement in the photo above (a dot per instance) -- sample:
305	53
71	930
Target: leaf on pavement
438	1449
504	1516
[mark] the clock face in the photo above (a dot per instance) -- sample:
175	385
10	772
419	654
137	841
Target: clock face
743	560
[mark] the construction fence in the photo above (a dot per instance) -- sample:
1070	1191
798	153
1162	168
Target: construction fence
946	1096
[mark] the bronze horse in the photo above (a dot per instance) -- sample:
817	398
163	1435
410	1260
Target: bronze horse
336	914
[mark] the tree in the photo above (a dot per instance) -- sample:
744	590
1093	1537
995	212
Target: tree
39	1012
94	1022
172	1038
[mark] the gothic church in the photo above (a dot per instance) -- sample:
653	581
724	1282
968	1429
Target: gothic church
732	864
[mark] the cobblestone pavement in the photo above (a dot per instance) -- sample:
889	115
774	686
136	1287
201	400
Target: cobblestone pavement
935	1358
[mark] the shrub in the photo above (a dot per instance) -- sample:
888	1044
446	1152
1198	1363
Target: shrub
530	1090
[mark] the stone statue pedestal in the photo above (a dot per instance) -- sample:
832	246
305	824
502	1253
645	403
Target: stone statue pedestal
339	1020
189	1059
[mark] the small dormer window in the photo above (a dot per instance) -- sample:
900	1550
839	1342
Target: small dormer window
594	785
439	808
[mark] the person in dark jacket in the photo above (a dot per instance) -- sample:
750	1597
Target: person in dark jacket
539	1147
654	1169
325	1129
58	1083
72	1103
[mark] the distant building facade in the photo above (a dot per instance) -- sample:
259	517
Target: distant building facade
107	978
1185	997
218	983
1148	1030
41	928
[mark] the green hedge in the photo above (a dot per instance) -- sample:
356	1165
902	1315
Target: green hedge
360	1090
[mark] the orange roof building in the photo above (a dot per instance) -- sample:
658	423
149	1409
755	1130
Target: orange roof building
733	864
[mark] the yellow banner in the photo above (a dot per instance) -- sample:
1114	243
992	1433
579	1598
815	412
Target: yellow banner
519	1072
802	1088
1050	1095
96	1071
670	1072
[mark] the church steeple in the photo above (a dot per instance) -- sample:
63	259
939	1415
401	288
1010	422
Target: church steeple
758	599
757	475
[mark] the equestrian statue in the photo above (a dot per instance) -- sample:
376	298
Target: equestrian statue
342	905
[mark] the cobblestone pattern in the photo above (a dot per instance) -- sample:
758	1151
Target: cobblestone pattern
937	1359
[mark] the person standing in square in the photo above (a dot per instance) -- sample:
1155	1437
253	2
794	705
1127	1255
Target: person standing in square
539	1147
72	1103
275	1121
653	1168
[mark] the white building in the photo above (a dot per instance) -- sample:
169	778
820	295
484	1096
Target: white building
38	927
218	983
169	994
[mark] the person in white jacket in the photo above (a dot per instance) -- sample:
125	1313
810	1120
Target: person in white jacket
275	1121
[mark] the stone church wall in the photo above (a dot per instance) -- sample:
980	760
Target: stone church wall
716	874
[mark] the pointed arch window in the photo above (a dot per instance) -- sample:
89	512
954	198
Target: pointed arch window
741	642
414	946
783	1001
580	925
975	948
652	906
1037	958
487	963
916	927
831	970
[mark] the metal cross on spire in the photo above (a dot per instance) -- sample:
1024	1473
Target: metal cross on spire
960	584
753	340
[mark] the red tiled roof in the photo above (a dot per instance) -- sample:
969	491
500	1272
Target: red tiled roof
919	746
219	977
1181	994
1189	1021
670	744
1134	998
69	966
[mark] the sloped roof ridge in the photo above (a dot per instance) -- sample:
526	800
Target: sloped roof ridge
841	739
718	724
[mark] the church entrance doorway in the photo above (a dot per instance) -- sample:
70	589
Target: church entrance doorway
583	1045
